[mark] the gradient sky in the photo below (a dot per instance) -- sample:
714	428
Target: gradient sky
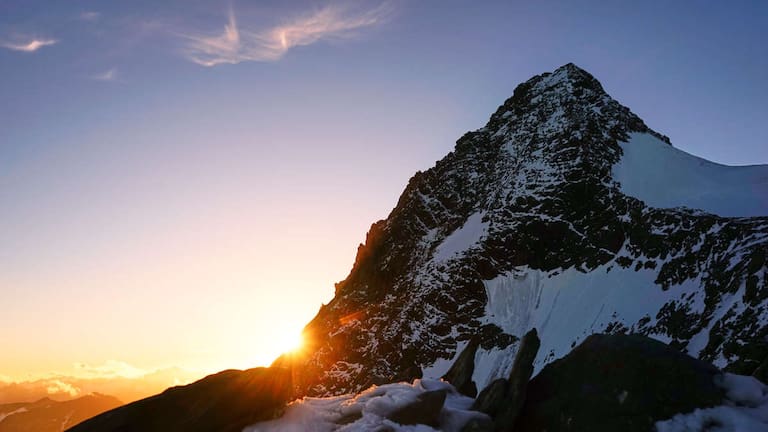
181	184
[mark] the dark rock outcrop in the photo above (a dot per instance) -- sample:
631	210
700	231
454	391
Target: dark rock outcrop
410	374
617	383
492	398
460	373
521	372
761	372
224	402
424	410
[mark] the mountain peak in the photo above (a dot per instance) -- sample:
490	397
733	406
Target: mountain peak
573	70
569	98
573	75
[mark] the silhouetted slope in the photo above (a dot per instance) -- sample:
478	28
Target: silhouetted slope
223	402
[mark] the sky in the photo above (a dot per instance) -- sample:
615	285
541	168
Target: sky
183	182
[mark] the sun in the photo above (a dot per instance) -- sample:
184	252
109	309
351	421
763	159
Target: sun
282	342
289	343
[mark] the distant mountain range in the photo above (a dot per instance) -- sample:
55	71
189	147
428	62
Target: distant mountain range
63	387
47	415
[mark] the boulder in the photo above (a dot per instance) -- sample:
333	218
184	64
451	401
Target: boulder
225	402
460	373
617	383
424	410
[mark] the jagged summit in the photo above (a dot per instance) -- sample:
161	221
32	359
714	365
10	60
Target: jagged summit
568	79
528	223
564	97
567	76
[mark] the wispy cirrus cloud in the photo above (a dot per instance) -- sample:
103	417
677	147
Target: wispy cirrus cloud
90	16
28	45
108	75
237	44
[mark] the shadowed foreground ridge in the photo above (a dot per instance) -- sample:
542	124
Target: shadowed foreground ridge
227	402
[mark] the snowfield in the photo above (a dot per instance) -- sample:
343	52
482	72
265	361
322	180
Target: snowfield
664	176
584	303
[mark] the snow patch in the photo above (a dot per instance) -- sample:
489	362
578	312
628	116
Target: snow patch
566	307
512	299
3	416
664	176
492	364
471	233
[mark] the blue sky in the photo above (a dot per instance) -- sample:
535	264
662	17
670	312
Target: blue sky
218	162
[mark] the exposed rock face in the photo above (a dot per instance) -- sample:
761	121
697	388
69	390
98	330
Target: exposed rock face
522	369
617	383
491	399
226	402
504	398
460	374
524	225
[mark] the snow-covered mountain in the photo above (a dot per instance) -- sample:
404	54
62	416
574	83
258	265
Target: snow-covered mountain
565	213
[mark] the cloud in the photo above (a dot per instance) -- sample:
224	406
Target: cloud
58	387
90	16
109	369
236	45
114	377
109	75
31	46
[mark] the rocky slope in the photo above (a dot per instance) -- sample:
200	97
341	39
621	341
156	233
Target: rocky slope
545	218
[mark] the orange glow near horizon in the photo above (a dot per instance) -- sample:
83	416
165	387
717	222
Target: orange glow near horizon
294	344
